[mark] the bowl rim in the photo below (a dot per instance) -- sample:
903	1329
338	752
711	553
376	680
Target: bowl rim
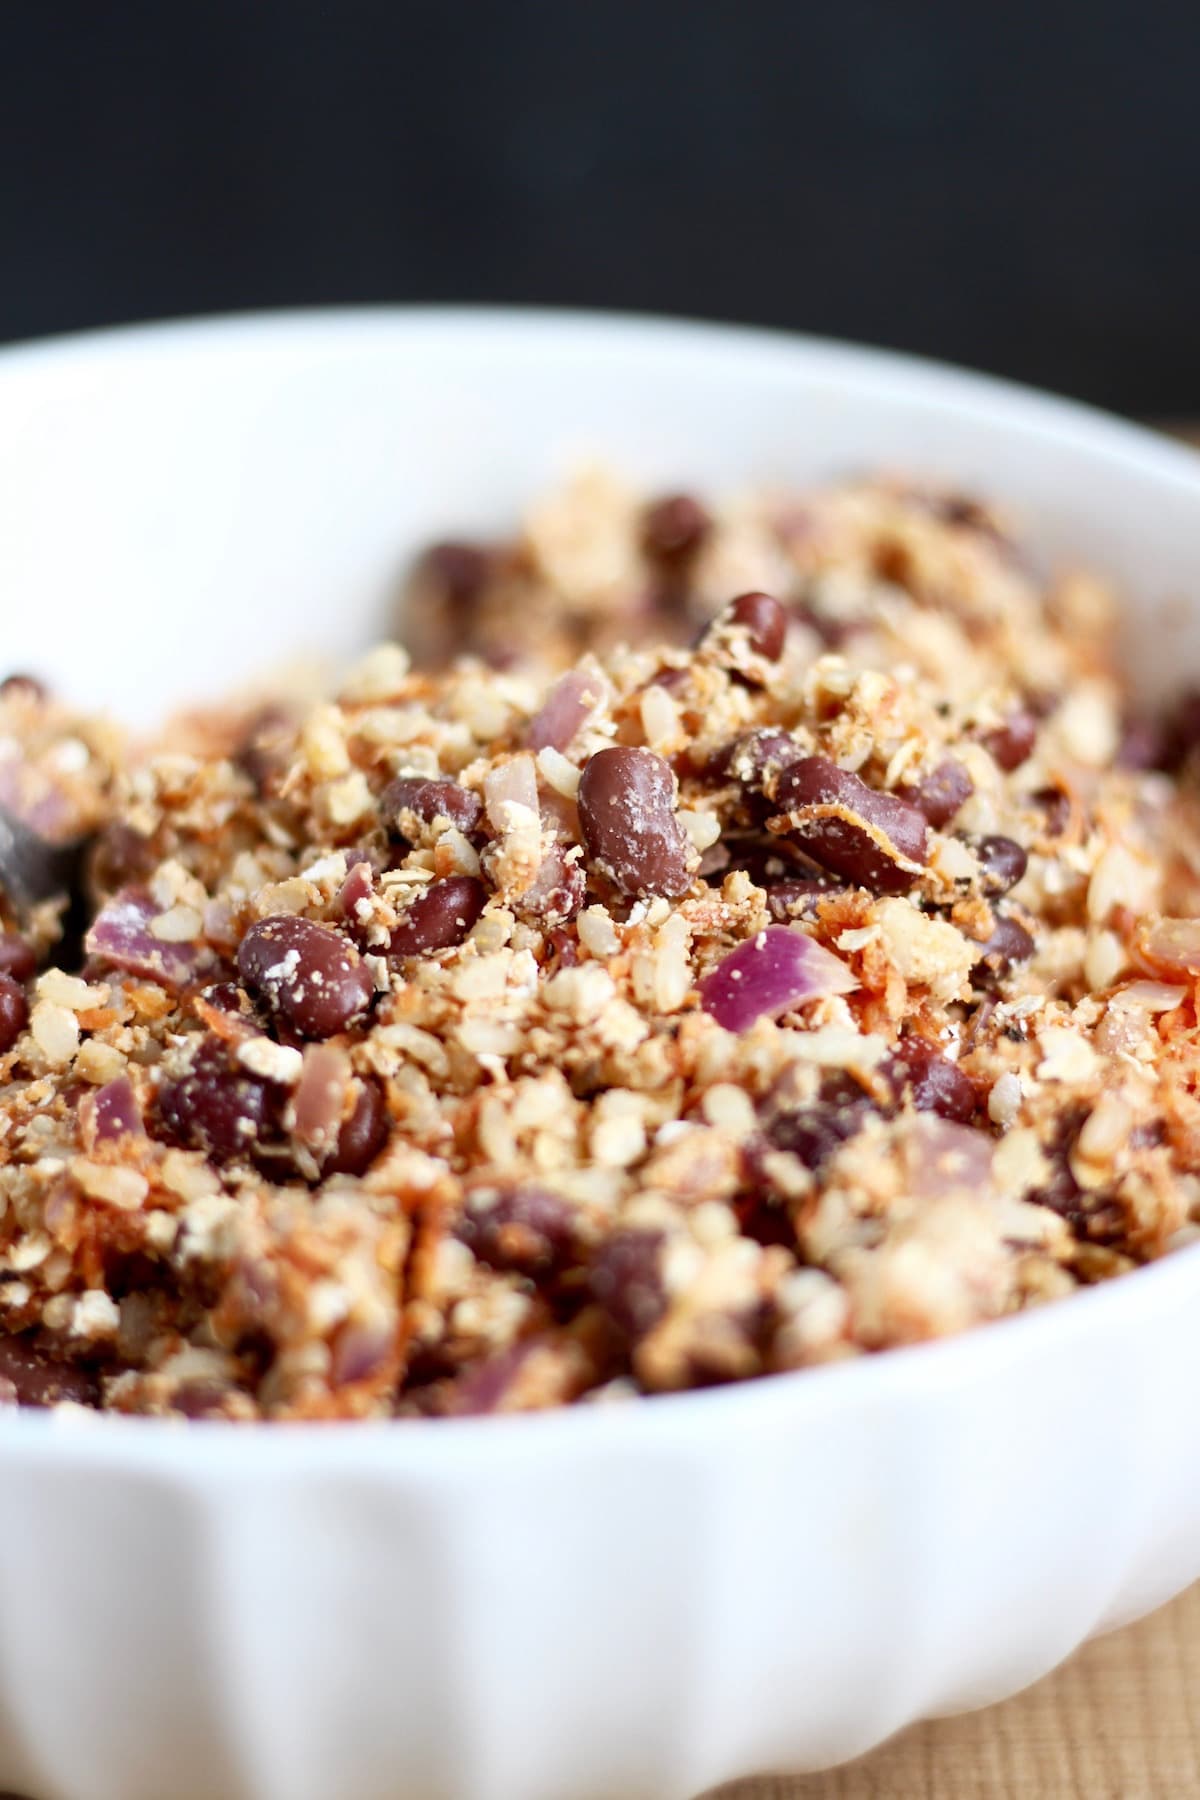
858	367
214	1449
869	367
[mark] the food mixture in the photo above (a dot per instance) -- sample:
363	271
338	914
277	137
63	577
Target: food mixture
772	940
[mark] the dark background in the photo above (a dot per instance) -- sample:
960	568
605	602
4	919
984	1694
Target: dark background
1014	187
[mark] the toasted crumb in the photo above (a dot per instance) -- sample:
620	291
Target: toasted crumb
733	942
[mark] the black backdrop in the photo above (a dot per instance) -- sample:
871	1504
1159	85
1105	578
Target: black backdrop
1013	186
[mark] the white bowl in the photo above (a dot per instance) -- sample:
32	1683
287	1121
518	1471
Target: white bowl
636	1601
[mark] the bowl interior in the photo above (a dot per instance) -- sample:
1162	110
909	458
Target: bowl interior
185	507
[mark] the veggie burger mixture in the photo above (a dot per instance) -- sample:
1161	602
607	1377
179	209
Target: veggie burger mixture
741	937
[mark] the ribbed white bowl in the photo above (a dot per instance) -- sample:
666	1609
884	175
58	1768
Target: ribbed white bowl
639	1601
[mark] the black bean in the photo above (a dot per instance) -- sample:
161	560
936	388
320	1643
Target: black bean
1002	863
767	859
863	835
954	509
674	528
816	1128
228	997
761	617
121	857
627	817
362	1135
764	619
1143	745
1095	1215
14	1012
1181	731
1011	743
562	950
1056	809
626	1279
215	1106
762	1214
941	793
787	900
1008	945
933	1082
756	758
33	869
16	956
30	1377
440	916
308	973
428	798
524	1228
461	570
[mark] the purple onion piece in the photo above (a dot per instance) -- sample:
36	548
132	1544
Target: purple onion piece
934	1083
120	938
945	1157
117	1112
770	972
568	706
559	888
358	886
359	1352
486	1388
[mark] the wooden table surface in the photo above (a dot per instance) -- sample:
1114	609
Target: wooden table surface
1119	1721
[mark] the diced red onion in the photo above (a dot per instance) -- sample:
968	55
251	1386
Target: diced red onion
947	1158
571	702
44	808
513	783
1171	944
117	1111
359	1352
358	886
219	924
559	887
487	1387
559	814
1126	1023
320	1096
120	937
1151	996
770	972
